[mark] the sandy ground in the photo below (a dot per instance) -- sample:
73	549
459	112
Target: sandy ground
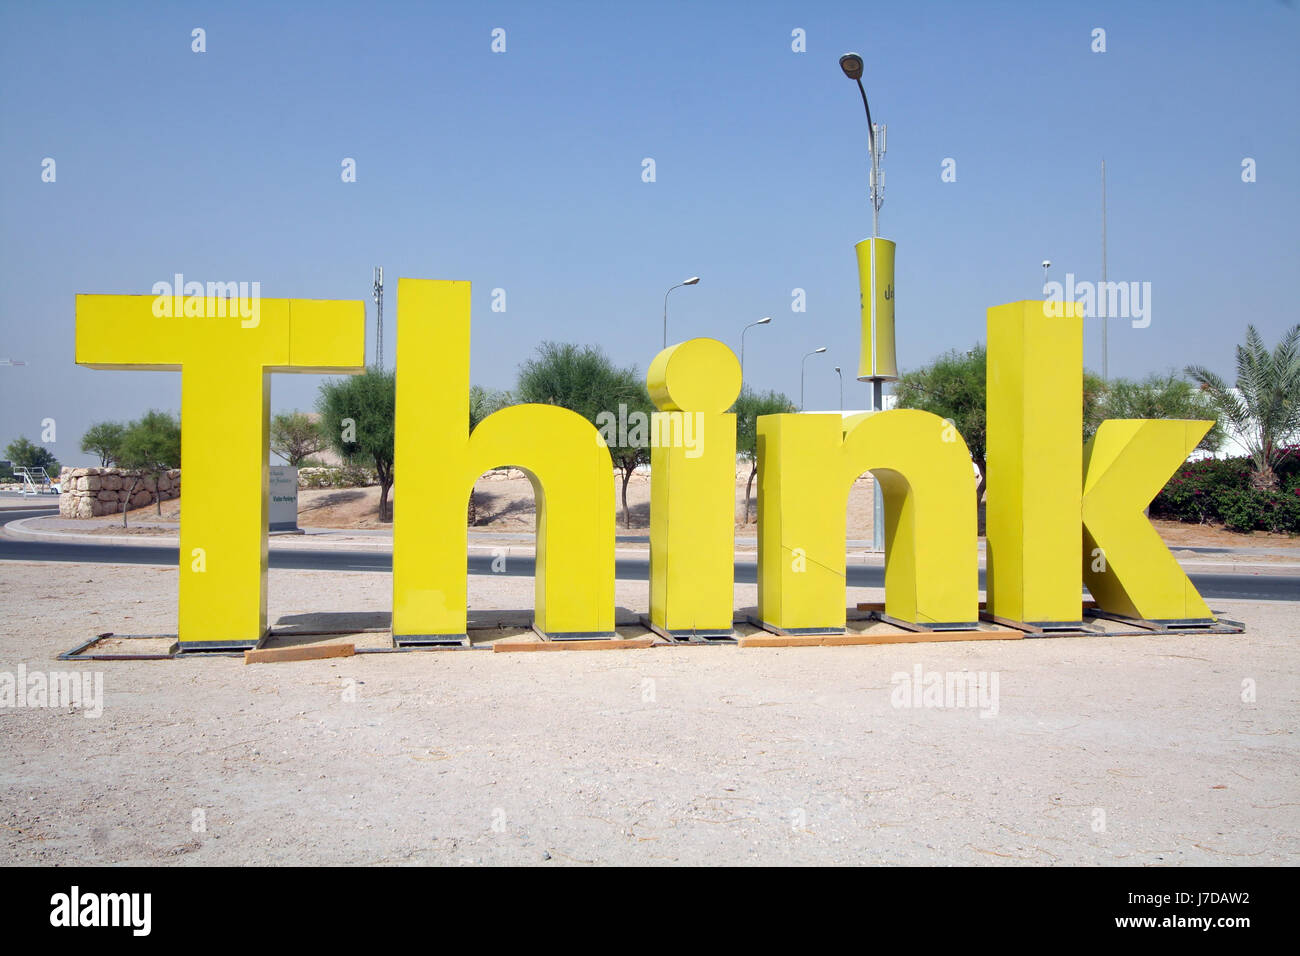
1131	751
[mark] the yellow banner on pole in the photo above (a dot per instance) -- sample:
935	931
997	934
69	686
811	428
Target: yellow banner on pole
876	284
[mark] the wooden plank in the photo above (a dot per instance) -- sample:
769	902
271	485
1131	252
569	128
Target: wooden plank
305	652
1007	622
926	637
1153	627
783	640
592	645
902	637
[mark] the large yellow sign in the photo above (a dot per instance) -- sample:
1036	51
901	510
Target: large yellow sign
225	365
1058	514
876	305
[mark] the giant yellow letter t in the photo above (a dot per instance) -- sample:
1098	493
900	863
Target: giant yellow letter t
224	361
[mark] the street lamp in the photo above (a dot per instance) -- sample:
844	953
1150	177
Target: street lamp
766	320
841	375
853	67
851	64
802	366
693	280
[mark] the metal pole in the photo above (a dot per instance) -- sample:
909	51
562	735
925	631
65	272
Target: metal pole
876	197
877	495
877	385
379	316
875	188
742	345
665	345
803	368
1105	348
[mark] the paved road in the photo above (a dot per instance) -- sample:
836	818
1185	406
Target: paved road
1240	585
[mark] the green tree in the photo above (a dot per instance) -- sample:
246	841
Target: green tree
24	453
150	445
357	414
953	387
750	405
296	436
1263	411
628	445
1094	393
584	380
579	378
1158	396
482	403
105	440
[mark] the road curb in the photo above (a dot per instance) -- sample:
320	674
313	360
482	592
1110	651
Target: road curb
17	530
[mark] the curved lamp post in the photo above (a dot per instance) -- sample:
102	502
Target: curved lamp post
841	375
853	67
803	364
763	321
851	64
693	280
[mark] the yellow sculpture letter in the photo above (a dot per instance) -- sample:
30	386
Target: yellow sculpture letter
808	463
693	492
1034	410
1126	566
566	460
225	412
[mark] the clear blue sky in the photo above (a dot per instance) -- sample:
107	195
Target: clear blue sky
522	171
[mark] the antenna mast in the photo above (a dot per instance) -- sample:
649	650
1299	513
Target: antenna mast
1105	351
379	316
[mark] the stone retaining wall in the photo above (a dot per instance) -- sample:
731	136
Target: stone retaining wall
91	492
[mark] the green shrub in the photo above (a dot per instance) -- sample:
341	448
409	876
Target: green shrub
345	476
1220	491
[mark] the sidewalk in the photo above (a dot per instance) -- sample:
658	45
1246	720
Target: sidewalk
163	533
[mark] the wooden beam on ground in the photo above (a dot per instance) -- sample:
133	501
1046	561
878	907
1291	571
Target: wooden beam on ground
927	637
900	637
630	643
305	652
784	640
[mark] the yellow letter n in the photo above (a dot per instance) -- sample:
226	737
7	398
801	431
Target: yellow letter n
808	463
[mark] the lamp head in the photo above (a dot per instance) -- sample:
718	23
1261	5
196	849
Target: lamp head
764	321
851	64
822	349
693	280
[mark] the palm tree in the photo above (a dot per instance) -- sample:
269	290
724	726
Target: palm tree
1263	411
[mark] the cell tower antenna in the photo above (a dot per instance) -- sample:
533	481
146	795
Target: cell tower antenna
1105	346
379	316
